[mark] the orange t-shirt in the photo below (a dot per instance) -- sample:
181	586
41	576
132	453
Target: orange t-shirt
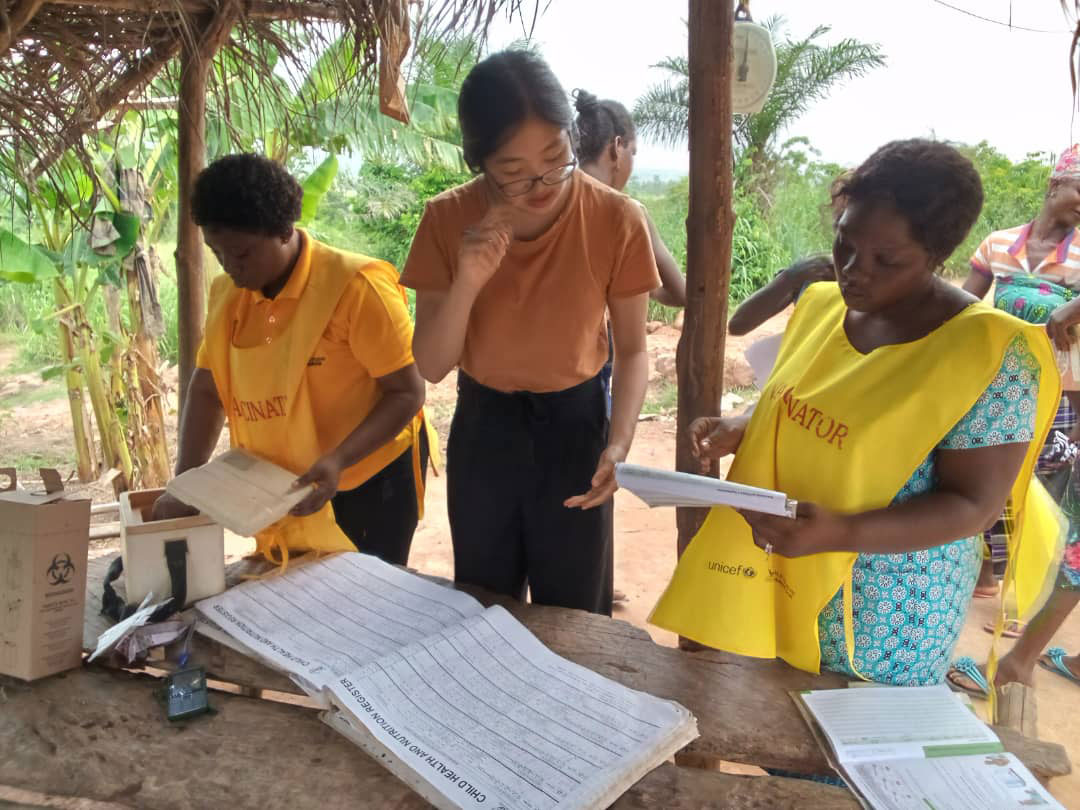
540	322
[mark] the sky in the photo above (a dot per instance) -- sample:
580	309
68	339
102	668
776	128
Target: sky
947	74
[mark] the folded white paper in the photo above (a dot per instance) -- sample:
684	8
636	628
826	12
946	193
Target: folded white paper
667	488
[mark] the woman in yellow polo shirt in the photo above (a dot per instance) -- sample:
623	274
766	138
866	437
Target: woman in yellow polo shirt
308	354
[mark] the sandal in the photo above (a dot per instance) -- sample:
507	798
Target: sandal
1013	628
1054	661
967	667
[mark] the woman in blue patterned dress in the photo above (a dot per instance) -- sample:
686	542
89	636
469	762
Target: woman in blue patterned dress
916	551
1035	271
908	608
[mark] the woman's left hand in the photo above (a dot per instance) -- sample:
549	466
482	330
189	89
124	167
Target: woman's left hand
324	474
813	530
603	481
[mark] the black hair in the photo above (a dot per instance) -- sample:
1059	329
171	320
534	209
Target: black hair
931	185
501	92
248	193
598	122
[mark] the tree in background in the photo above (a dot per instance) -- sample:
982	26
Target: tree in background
377	208
807	70
1013	194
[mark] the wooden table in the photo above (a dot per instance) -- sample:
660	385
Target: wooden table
101	735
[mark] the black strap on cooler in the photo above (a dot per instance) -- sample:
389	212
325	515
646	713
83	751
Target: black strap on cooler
113	606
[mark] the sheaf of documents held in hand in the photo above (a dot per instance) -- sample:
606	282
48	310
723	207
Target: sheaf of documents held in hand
239	490
667	488
461	703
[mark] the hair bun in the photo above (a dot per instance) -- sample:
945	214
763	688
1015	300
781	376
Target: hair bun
584	101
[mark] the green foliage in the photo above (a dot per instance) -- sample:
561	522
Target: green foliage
377	210
315	186
806	72
755	253
23	263
798	209
1013	195
23	309
169	342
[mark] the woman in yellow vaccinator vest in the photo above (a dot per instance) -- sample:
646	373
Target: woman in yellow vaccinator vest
901	414
308	355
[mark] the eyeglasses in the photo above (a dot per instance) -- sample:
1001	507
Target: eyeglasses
552	177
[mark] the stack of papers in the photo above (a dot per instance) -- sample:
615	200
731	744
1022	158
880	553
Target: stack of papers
919	748
239	490
666	488
462	703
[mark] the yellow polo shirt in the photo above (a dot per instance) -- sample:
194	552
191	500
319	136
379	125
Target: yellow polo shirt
369	336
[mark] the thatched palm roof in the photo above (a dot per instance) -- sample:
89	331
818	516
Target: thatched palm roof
64	64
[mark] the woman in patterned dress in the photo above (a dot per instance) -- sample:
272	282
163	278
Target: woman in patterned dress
917	557
1035	271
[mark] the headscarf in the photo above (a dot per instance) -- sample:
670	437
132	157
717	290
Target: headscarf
1068	165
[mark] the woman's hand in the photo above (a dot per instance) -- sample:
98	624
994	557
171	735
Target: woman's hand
814	268
483	247
1060	320
603	481
169	506
323	476
713	437
814	530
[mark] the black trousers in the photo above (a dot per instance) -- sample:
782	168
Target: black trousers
380	515
512	459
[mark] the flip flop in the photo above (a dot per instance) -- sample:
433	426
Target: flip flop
1013	628
967	667
1056	663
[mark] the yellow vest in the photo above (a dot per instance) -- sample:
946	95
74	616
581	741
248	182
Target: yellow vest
847	430
275	372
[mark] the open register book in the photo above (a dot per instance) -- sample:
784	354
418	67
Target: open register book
667	488
918	748
462	703
239	490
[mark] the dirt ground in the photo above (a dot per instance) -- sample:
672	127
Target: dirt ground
35	427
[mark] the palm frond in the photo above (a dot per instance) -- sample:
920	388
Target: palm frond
806	71
662	114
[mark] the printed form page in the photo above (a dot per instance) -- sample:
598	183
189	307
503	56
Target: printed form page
487	716
322	619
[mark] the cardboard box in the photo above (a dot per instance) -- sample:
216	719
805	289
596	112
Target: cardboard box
143	549
44	541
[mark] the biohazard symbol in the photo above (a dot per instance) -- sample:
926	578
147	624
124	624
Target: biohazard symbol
60	570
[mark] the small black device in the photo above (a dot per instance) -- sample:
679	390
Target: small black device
185	694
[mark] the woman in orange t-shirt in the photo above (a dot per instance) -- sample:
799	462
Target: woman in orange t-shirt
515	272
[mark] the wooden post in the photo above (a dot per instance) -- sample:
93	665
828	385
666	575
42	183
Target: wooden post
206	36
700	357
